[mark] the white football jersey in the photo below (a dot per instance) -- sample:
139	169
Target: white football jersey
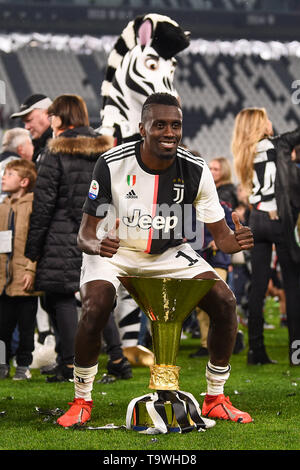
155	208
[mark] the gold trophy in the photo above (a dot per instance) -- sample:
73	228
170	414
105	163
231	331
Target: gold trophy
167	303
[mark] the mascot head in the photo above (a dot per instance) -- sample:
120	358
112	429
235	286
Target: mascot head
142	62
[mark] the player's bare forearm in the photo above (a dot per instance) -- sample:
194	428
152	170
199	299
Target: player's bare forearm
87	240
230	241
89	243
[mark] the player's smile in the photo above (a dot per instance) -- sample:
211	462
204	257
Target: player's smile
167	144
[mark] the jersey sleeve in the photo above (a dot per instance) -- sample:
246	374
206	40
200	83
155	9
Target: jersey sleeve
99	194
207	204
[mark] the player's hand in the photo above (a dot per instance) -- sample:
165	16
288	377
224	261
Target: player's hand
243	235
109	245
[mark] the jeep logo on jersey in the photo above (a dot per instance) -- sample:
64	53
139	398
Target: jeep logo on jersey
146	221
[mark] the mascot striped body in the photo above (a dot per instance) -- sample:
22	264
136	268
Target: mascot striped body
142	62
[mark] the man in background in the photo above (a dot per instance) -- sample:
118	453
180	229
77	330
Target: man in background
16	144
33	113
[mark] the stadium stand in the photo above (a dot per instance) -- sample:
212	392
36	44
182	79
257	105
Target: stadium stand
11	97
213	88
56	72
226	5
215	77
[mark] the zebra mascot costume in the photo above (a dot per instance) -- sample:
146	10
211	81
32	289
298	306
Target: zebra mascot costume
142	62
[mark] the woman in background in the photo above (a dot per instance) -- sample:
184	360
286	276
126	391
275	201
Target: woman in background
62	185
221	171
263	165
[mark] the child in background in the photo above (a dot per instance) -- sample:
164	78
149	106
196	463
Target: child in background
18	301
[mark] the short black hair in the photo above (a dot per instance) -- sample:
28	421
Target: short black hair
159	98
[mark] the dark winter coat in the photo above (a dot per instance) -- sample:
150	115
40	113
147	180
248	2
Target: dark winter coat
62	185
39	145
227	193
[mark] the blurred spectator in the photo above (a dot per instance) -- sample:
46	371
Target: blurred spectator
18	140
33	113
296	155
241	266
275	288
61	188
265	169
16	143
18	301
220	261
221	171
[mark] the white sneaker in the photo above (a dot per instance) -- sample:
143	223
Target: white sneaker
22	373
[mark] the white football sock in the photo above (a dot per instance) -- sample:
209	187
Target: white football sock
216	378
83	380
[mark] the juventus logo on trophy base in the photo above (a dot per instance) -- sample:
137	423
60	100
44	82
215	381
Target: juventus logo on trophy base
167	303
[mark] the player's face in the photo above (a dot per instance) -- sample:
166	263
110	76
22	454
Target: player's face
162	131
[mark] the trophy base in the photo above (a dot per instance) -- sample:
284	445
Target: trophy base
166	411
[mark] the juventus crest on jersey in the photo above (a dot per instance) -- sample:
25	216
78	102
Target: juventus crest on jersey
155	208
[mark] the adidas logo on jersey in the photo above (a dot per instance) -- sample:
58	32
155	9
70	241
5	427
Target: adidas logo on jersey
131	195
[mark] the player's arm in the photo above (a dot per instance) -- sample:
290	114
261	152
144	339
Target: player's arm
210	211
92	239
89	243
230	241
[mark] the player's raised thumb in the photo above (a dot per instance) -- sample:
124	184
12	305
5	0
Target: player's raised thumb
236	221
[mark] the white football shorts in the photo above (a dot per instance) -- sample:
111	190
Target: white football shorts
180	262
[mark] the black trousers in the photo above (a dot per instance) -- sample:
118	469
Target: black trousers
21	312
62	309
266	232
112	339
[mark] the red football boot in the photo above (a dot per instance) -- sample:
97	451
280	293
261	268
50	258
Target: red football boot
220	407
79	413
